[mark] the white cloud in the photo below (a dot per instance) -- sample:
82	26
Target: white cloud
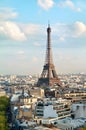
12	31
70	4
22	32
36	44
31	29
79	28
7	13
8	28
21	52
46	4
61	39
62	31
74	30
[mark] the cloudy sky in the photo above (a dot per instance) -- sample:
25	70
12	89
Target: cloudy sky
23	36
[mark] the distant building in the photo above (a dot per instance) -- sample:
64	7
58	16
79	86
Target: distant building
23	112
37	92
2	92
45	110
79	109
22	105
52	109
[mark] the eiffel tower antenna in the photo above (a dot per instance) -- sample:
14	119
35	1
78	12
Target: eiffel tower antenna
48	76
48	23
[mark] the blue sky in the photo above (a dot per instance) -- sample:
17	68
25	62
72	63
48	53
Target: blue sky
23	38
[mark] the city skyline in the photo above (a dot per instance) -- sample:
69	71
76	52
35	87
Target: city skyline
23	35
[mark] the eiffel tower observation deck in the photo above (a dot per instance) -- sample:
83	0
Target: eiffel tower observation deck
48	76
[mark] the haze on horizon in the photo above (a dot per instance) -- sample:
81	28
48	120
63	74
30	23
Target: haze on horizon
23	35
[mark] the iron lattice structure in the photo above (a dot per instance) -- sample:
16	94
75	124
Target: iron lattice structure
49	76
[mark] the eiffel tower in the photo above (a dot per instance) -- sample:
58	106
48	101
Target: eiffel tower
48	77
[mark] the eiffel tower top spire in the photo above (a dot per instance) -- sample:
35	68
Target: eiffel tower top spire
49	29
49	50
48	23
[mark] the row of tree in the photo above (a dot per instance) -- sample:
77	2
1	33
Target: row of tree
4	103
